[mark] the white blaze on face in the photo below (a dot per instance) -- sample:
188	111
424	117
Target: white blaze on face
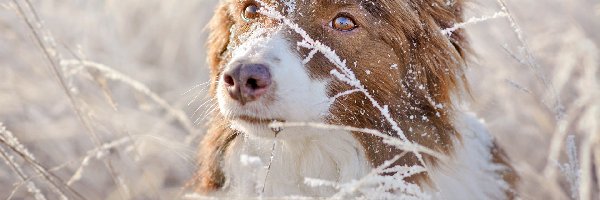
293	95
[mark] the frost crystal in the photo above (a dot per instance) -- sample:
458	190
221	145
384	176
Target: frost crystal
290	6
571	169
473	20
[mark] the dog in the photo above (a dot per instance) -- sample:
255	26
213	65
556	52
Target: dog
381	65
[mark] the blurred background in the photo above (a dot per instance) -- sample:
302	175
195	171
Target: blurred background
107	99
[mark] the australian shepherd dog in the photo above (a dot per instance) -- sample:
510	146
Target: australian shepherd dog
322	98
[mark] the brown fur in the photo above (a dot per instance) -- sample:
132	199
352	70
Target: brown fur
407	33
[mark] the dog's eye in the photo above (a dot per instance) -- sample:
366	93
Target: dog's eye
343	23
250	12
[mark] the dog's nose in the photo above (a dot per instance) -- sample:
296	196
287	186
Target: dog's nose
247	82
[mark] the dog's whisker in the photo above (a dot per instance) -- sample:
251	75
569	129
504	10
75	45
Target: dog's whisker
209	112
198	94
206	113
203	85
210	100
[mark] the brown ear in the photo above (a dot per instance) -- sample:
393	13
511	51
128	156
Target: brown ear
218	40
446	15
445	55
436	60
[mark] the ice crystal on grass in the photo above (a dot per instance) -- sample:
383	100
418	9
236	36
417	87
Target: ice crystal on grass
31	186
9	139
98	153
571	169
383	182
78	65
473	20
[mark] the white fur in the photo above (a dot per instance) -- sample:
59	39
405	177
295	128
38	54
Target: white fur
470	173
329	155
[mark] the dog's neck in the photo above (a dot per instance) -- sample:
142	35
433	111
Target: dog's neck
329	155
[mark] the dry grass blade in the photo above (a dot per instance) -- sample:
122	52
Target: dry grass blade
54	60
473	20
98	153
400	144
32	188
13	144
558	108
112	74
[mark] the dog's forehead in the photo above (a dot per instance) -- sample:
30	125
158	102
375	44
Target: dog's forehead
362	4
371	6
296	6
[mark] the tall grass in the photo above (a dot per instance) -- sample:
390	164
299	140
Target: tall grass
94	105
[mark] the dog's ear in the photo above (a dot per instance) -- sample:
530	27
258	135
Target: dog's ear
218	39
433	59
447	14
437	16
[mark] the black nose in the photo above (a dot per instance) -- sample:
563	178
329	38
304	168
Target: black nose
247	82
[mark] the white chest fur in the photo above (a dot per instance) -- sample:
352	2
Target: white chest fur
332	156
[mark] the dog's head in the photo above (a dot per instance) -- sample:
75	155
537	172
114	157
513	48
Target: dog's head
395	48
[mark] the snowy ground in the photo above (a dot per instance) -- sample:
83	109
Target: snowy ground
135	113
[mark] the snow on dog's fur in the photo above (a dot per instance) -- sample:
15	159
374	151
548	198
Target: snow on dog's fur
396	49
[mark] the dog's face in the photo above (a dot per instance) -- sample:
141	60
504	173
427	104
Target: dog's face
261	74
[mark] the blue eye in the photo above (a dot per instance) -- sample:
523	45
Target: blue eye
343	23
250	12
